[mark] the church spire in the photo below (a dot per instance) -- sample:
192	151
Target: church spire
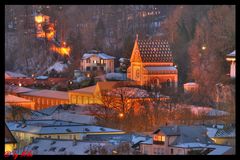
136	37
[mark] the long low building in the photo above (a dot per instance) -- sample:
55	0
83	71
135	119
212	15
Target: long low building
57	129
12	100
46	98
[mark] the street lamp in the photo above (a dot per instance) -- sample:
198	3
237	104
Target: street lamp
121	115
20	84
204	47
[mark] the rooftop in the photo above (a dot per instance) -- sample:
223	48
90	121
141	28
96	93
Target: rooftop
161	68
57	127
48	94
155	51
186	134
100	55
14	99
9	74
44	146
17	89
89	90
232	54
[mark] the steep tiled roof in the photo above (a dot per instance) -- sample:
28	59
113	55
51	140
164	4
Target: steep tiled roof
155	51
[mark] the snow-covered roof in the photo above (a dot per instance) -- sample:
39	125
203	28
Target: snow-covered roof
161	68
190	145
123	59
190	84
232	54
48	94
116	76
219	149
17	89
100	55
9	74
211	132
57	127
58	66
216	112
13	99
186	134
44	146
42	77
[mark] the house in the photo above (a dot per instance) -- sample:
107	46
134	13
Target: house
46	98
96	62
152	63
56	129
10	141
46	146
225	135
173	140
231	57
90	95
12	100
190	87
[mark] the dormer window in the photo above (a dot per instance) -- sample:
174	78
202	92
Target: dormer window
158	139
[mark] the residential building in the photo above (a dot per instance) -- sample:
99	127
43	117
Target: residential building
10	141
12	100
231	57
152	63
225	135
96	62
56	129
46	98
180	140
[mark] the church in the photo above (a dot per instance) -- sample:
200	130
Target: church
152	63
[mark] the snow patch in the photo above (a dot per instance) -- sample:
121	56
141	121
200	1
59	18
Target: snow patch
58	66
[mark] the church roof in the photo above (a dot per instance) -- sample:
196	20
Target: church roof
162	69
155	51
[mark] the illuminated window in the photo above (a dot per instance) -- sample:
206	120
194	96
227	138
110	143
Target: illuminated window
101	61
159	138
94	61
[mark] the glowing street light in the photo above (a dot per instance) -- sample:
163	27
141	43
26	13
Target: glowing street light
121	115
20	84
204	47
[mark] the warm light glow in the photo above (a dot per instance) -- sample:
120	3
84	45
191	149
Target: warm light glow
20	84
39	19
230	59
159	138
88	75
61	50
204	47
121	115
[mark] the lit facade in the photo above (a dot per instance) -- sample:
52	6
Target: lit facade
152	63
